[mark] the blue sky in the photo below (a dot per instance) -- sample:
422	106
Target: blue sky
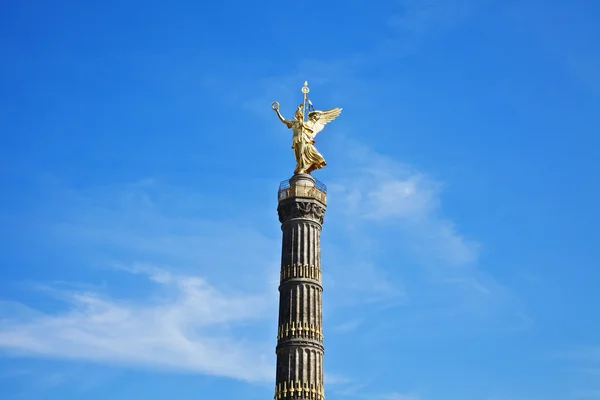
140	161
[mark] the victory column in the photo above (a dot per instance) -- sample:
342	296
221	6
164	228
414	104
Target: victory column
301	209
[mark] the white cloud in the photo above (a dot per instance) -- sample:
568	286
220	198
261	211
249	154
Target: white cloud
150	221
174	318
185	323
379	189
189	325
399	244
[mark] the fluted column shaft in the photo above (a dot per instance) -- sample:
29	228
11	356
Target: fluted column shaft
300	333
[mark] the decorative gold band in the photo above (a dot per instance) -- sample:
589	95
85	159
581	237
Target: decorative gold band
287	390
300	271
299	330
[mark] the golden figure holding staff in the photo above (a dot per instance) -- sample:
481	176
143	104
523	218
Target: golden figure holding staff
308	158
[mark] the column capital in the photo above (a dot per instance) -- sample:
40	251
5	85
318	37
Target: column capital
303	209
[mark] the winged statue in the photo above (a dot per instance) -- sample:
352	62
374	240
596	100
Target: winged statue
308	158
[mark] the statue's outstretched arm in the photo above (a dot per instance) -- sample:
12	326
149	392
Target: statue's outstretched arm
285	121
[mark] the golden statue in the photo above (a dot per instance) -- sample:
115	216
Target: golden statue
308	158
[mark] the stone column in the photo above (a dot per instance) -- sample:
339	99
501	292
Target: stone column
302	203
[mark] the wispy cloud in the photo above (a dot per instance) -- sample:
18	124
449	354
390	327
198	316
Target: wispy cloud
376	200
201	292
205	297
378	191
382	190
144	224
390	210
189	325
150	221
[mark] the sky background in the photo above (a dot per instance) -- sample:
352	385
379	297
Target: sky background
139	166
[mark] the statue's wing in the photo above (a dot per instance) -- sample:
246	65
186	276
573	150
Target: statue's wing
318	119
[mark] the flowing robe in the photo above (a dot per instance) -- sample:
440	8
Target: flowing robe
308	158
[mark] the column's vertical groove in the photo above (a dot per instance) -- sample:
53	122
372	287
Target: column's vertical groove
313	259
296	305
